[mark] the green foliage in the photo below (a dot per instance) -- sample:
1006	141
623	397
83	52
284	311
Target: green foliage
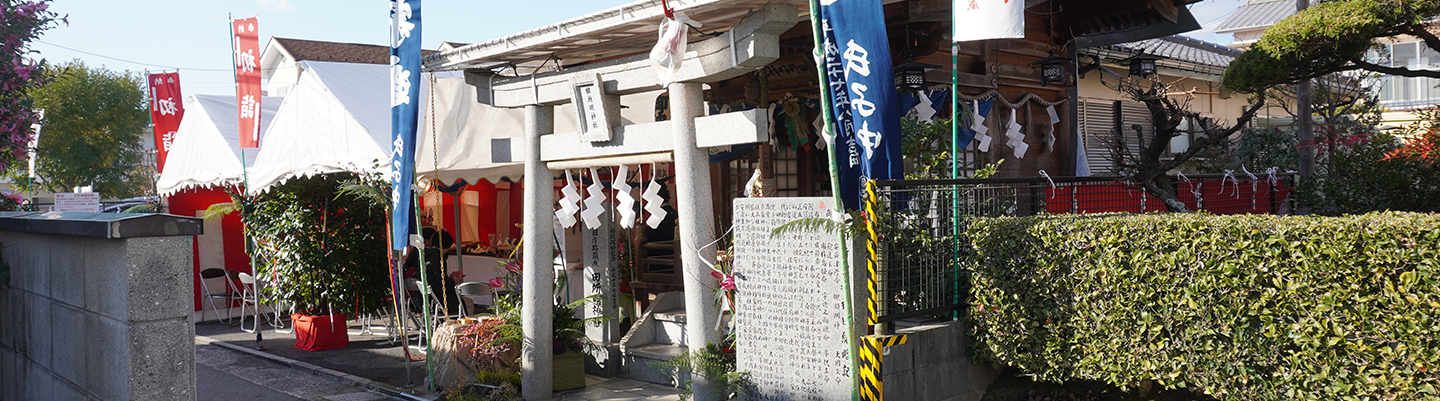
328	251
492	386
1326	37
1252	307
1365	180
716	362
569	331
927	145
94	123
821	224
1255	148
1381	172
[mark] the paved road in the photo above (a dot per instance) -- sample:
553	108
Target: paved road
225	375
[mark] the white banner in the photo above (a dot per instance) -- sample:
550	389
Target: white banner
989	19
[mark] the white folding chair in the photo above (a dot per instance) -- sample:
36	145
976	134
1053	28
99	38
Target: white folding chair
249	301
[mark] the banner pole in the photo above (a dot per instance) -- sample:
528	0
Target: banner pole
429	327
245	177
955	159
826	111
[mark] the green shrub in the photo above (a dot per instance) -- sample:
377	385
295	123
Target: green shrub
328	249
1245	307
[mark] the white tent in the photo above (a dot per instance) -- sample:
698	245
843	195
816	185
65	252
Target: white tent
474	141
336	119
206	149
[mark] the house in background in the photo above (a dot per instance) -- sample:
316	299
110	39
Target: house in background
1195	65
1400	96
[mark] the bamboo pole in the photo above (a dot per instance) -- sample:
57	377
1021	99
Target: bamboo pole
829	119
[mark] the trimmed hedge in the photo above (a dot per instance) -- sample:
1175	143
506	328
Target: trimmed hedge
1241	307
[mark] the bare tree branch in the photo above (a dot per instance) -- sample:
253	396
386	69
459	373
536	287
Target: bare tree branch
1425	34
1401	71
1210	140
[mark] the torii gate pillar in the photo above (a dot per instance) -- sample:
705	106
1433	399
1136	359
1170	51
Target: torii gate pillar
697	226
536	322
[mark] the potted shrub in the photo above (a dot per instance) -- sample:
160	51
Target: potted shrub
569	339
322	251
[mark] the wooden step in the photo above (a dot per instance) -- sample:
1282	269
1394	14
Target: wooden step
666	260
663	245
655	286
663	277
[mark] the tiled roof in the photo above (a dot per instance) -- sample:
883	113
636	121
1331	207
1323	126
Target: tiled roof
1180	52
314	50
1257	14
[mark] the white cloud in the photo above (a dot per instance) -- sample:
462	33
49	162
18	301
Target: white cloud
276	5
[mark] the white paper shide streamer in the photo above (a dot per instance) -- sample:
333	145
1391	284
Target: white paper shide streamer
1054	119
624	203
654	204
978	125
595	204
569	203
1014	138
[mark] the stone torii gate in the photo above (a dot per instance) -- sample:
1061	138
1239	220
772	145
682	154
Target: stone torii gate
751	44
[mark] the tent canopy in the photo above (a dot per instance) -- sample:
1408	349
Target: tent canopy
468	140
206	150
337	119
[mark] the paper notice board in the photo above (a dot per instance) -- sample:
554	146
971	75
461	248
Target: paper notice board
86	202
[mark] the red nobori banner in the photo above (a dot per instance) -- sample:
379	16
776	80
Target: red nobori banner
166	110
247	79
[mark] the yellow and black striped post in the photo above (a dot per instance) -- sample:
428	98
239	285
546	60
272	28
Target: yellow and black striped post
872	259
872	348
872	355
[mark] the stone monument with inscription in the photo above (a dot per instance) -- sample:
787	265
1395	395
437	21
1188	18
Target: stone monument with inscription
790	318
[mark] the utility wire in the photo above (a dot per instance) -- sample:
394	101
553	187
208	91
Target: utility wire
133	62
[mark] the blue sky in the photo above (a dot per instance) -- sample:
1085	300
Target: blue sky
194	35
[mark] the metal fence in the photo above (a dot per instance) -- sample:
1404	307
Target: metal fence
918	223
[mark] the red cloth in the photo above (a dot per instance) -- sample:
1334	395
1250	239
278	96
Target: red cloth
166	109
319	333
247	80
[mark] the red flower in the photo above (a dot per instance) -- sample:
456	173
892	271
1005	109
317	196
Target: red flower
496	283
726	281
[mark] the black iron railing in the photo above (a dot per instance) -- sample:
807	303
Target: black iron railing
918	223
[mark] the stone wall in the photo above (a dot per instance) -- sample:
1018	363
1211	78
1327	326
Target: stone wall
89	316
933	364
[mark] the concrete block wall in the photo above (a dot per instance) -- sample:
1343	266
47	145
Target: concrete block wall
88	317
933	365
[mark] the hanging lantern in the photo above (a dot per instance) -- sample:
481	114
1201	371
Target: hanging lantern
1052	69
910	76
1143	65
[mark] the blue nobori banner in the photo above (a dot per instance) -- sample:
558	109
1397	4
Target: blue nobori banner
404	107
862	89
